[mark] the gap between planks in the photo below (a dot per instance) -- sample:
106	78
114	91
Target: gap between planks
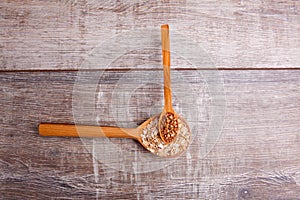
151	69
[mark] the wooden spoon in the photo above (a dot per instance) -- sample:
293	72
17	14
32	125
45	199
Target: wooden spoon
152	134
168	122
147	134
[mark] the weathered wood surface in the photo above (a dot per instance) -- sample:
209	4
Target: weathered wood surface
59	34
256	156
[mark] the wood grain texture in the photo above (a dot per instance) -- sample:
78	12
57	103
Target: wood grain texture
60	34
256	156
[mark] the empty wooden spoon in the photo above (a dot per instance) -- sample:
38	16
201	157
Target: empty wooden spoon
168	121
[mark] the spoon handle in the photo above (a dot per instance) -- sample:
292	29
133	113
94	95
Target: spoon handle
165	41
68	130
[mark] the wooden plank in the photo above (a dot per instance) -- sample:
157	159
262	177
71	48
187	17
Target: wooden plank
37	35
255	157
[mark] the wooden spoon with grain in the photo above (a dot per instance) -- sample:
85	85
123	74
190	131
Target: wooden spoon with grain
167	124
168	121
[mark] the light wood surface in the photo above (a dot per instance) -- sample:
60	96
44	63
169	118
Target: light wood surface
59	34
255	44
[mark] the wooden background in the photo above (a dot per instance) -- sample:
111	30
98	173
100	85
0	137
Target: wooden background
254	44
